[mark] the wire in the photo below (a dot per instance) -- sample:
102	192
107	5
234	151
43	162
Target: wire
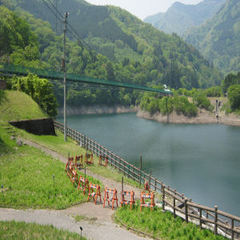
71	29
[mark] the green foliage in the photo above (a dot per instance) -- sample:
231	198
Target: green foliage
2	96
138	52
181	17
161	225
213	91
19	106
202	101
218	39
229	80
22	230
29	181
166	105
234	97
41	91
15	33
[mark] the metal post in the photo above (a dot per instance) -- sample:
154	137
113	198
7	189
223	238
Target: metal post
64	80
140	172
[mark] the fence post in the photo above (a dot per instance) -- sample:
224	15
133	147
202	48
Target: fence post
163	197
150	176
200	223
186	210
174	205
215	219
140	172
232	229
155	185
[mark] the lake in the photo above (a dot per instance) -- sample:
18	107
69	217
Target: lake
201	161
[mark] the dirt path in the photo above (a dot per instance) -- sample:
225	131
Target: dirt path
97	221
98	229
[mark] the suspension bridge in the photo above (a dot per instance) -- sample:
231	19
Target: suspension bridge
9	69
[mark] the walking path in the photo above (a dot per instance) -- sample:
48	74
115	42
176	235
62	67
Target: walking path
97	222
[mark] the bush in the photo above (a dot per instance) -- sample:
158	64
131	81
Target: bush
234	96
214	91
202	101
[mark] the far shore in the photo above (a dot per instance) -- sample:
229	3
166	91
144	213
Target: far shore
203	117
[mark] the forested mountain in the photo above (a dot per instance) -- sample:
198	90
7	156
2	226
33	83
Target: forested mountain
181	17
219	39
138	52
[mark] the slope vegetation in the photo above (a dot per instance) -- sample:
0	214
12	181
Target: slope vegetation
218	39
139	53
181	17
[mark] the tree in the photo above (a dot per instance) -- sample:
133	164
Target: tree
234	96
41	91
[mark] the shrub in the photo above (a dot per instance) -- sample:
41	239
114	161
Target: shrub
234	96
202	101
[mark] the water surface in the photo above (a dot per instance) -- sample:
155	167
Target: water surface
201	161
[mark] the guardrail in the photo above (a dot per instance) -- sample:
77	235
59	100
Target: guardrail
210	218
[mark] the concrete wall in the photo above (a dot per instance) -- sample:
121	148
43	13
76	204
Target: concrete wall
37	126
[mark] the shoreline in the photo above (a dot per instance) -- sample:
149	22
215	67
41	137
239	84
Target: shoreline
97	109
203	117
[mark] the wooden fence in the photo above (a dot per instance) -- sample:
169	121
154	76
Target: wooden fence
210	218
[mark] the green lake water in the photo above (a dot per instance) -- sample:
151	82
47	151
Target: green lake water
201	161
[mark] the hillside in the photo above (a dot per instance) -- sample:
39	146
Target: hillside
138	52
19	106
218	40
181	17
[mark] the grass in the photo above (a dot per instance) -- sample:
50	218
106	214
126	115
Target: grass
21	231
57	144
32	179
162	225
19	106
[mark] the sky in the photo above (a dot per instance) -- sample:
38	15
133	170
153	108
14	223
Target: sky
142	8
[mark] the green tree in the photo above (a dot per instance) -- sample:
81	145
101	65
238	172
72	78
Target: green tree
41	91
234	96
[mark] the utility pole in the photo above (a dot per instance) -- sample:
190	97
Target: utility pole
56	6
64	80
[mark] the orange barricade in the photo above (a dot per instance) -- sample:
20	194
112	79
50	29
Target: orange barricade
101	161
94	192
83	184
79	161
73	175
110	195
69	164
146	186
130	201
89	159
145	196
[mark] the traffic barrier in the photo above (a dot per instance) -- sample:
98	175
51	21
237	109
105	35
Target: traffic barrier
79	162
89	158
94	193
146	186
83	184
69	164
110	195
130	195
100	163
145	196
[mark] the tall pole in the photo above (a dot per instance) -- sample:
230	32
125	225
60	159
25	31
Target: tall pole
64	80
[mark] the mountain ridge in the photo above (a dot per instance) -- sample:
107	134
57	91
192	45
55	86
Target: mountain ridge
180	17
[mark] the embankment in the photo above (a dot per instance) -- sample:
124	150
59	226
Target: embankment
97	109
203	117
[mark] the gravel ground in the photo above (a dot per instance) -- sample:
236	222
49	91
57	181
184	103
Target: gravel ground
98	229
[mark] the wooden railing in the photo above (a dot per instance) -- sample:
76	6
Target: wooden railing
210	218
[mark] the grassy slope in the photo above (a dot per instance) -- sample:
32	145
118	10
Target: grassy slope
19	106
162	224
25	172
20	230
